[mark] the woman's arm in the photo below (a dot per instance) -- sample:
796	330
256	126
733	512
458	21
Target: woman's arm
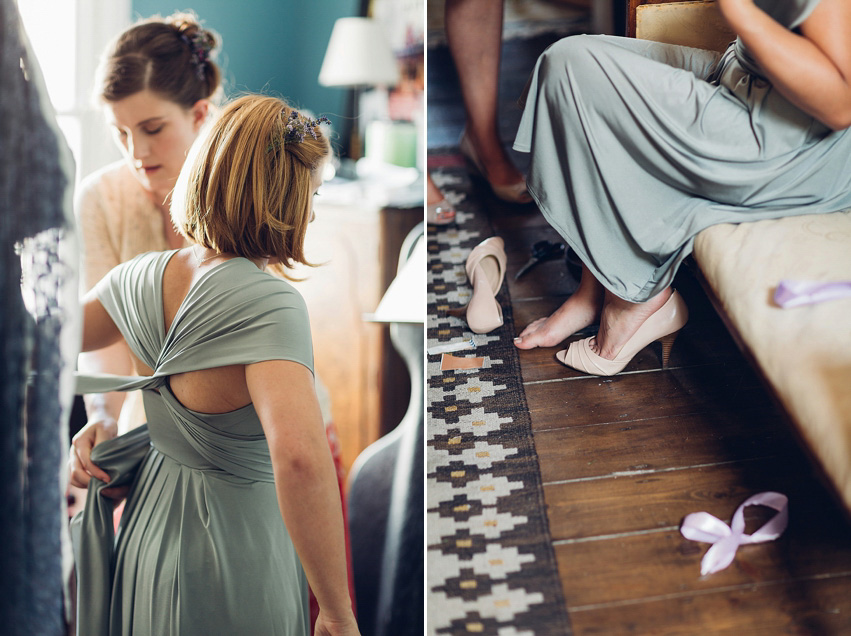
99	332
308	494
100	256
813	70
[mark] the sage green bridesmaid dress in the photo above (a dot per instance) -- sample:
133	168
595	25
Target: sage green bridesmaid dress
202	548
637	146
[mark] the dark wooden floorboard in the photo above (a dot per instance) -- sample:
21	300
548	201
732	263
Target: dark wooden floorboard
698	439
813	607
657	564
624	459
645	501
644	391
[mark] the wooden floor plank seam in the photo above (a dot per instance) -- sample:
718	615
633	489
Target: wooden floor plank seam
638	420
616	535
656	471
714	590
622	373
528	299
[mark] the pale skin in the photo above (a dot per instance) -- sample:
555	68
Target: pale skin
305	478
812	70
154	134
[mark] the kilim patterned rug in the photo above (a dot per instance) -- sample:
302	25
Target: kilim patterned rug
491	567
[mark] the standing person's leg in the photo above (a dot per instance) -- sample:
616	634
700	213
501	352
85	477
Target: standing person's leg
474	33
438	210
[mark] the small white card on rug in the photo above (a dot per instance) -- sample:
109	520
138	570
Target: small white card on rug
458	345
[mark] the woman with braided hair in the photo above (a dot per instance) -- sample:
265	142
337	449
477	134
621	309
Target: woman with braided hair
233	504
157	83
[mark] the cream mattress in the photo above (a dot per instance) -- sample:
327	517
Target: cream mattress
804	352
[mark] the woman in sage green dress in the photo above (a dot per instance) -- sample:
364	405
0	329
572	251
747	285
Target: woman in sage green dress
637	146
233	504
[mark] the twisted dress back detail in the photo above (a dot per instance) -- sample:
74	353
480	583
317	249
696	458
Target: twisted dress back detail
202	547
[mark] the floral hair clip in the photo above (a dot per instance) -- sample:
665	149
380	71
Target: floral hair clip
296	128
199	49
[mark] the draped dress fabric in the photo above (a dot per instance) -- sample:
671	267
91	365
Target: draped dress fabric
637	146
202	547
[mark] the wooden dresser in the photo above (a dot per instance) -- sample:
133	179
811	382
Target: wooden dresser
358	246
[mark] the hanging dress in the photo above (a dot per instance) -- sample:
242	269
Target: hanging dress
637	146
202	548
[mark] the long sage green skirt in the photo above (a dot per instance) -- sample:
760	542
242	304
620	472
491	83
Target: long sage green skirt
637	146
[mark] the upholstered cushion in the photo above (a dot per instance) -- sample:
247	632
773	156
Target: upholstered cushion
696	24
804	352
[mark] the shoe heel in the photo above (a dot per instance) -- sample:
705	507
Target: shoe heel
667	345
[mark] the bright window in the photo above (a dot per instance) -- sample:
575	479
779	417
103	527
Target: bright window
67	38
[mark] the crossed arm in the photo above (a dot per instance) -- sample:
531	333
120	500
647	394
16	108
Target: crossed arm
812	70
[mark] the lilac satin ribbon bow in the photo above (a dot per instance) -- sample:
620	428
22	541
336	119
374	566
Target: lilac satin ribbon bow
791	293
702	526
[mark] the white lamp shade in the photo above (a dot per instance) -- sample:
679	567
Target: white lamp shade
404	300
358	54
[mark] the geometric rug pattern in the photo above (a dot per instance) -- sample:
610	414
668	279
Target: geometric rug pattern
490	562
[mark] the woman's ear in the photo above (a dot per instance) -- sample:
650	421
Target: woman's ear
200	110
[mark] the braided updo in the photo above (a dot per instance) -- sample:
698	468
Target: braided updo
170	56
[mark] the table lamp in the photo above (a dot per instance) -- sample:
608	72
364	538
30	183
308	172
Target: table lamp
358	56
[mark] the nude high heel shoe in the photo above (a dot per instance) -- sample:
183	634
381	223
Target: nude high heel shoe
486	271
513	192
663	325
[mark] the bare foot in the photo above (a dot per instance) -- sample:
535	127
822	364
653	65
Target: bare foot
577	312
554	329
620	320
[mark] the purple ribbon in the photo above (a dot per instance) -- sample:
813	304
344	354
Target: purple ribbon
792	293
702	526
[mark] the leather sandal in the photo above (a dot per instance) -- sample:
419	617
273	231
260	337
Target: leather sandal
440	213
663	325
486	271
513	192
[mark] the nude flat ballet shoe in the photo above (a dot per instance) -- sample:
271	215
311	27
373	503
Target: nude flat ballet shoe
663	325
440	213
513	192
486	271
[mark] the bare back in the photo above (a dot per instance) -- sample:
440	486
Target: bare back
216	390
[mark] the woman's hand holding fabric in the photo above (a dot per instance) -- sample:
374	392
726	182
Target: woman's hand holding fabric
99	429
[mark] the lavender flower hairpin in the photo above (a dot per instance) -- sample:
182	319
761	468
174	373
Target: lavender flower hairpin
199	49
296	129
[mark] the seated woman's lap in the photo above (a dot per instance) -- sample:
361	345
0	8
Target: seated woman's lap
696	61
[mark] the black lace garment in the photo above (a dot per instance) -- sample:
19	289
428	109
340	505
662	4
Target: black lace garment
38	309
